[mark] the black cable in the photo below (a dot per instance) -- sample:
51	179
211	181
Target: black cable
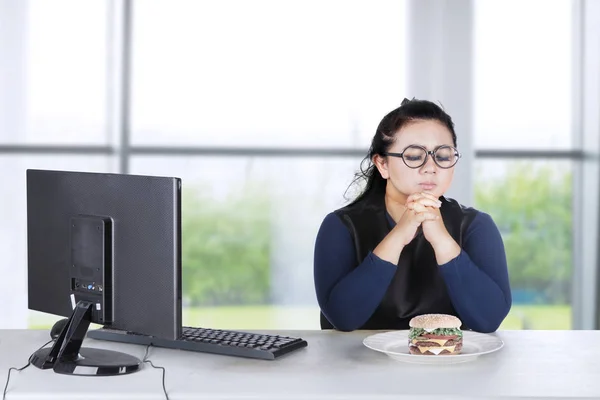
145	360
21	369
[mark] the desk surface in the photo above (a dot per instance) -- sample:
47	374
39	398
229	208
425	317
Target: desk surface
335	365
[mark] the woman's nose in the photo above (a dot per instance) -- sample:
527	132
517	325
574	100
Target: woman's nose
429	167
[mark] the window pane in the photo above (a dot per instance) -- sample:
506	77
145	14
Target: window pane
13	231
249	227
530	201
522	65
53	71
272	73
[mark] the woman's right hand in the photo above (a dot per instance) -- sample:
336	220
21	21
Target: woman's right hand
420	207
417	211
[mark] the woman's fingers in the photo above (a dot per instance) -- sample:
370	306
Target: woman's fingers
418	201
413	197
417	207
426	216
425	202
421	196
431	196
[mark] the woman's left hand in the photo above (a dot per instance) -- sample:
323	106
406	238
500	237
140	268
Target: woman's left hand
435	232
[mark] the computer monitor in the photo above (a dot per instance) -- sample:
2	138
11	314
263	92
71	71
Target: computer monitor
106	249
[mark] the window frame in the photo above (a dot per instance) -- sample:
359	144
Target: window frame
585	129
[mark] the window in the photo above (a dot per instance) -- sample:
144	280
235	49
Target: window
270	74
249	225
52	92
522	65
211	89
523	101
277	75
530	202
53	72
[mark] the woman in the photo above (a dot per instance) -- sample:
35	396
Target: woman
402	249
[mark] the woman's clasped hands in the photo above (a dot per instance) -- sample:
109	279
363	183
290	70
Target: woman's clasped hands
422	209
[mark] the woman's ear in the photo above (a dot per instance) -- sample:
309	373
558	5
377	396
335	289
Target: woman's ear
381	164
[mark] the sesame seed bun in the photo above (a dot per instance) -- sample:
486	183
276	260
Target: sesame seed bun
434	321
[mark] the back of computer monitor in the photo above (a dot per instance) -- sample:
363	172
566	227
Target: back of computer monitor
110	239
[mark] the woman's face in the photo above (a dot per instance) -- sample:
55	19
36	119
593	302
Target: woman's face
403	180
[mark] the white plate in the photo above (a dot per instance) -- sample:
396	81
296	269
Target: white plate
395	345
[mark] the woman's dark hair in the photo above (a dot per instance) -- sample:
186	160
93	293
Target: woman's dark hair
409	111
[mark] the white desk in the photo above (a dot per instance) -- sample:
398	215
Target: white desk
335	365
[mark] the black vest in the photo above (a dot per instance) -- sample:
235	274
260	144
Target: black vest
417	287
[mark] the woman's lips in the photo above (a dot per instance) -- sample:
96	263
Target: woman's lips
427	185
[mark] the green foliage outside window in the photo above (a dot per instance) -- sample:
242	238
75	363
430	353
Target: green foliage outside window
532	208
226	242
226	248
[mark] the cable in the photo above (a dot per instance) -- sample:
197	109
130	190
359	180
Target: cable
145	360
21	369
8	378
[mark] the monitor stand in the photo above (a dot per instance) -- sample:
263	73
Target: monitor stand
68	357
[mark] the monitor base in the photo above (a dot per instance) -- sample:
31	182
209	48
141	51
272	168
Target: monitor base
67	356
90	362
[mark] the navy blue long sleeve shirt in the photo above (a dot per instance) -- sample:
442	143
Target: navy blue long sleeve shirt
477	279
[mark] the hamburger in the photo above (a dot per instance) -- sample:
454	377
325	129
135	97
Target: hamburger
435	334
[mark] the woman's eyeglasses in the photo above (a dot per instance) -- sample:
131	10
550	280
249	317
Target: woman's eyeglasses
415	156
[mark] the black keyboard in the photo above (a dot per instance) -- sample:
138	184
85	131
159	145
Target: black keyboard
231	343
